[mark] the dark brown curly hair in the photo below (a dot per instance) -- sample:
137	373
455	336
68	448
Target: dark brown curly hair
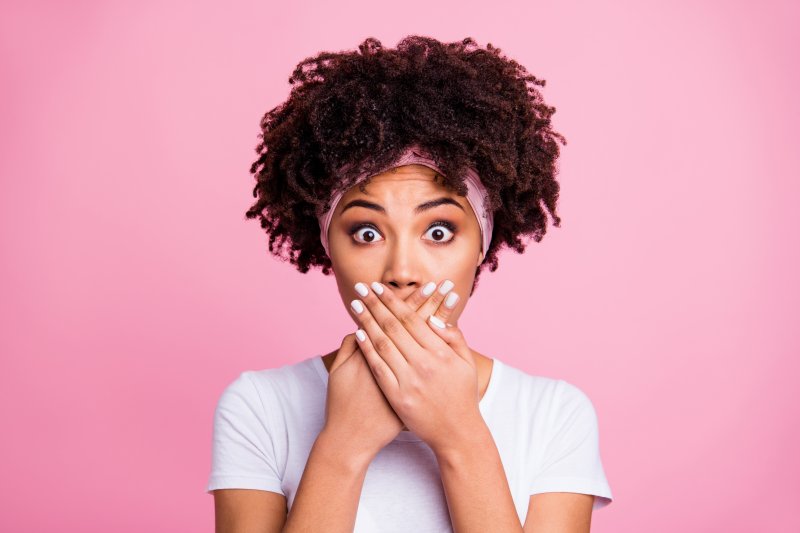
358	110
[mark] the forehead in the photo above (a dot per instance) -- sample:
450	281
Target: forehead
408	181
403	190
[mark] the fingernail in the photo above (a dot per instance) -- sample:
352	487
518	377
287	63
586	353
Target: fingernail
451	300
446	286
361	335
377	287
427	290
436	321
362	289
357	306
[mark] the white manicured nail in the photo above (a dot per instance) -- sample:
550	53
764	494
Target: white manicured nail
357	306
362	289
362	336
436	321
427	290
451	300
446	286
377	287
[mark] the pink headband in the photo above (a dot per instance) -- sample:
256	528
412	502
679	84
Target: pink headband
476	196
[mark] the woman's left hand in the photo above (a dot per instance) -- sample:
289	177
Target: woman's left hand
427	372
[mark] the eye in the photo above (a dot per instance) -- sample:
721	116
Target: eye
441	231
365	234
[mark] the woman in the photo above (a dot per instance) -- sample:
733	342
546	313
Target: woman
403	172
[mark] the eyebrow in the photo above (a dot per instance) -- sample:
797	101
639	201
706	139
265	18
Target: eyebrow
419	209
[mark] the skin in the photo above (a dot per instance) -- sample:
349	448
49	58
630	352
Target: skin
406	373
414	261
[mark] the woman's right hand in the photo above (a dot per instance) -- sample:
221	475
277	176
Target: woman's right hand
357	414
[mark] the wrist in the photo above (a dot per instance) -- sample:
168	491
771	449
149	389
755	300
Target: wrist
352	455
459	447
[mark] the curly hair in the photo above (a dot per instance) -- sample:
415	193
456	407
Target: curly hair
354	111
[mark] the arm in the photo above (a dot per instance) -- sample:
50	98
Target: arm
562	512
328	482
244	477
248	510
329	491
570	478
432	384
475	485
328	495
479	498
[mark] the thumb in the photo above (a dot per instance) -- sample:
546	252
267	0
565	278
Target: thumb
349	347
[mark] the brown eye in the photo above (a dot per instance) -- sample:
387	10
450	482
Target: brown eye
440	233
366	235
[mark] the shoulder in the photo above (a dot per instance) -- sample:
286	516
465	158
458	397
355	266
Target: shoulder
287	376
522	380
570	397
253	390
557	397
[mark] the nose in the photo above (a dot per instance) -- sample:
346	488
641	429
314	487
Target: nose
403	266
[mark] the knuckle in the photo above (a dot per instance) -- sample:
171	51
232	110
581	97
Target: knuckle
382	344
407	403
415	385
416	297
408	319
437	297
440	353
391	326
376	369
424	369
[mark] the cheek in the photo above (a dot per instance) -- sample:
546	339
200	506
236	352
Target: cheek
463	288
351	272
462	275
345	282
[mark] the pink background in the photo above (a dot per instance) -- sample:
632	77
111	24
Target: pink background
134	291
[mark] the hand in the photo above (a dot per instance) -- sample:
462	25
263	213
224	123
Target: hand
356	411
353	394
424	367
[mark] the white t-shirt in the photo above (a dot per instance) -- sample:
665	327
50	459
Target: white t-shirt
545	430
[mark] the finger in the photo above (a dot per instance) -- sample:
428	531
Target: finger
435	299
382	343
453	336
446	308
411	322
397	328
383	374
420	296
348	347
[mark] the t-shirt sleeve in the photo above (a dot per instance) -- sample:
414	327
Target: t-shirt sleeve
243	454
571	460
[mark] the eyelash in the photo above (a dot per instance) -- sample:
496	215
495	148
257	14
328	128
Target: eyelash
449	225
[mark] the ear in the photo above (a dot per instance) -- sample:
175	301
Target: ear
480	259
